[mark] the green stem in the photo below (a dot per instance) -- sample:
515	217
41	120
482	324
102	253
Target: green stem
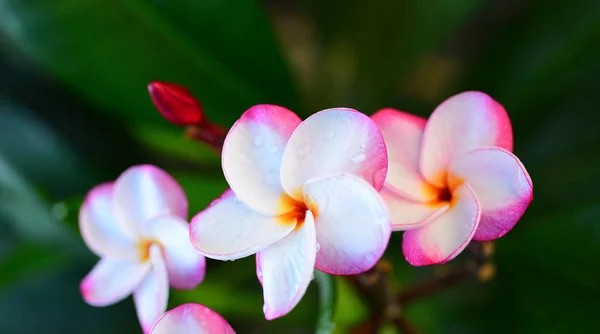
326	285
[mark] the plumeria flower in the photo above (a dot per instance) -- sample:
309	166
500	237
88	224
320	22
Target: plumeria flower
137	226
191	319
303	195
452	178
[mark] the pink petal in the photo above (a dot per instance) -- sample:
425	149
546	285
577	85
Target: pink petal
403	135
502	185
287	268
444	238
98	225
460	124
252	155
331	142
352	223
407	214
185	264
143	192
228	229
152	295
112	280
191	319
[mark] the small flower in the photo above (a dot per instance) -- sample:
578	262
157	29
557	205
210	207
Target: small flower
191	319
303	195
137	226
176	103
452	178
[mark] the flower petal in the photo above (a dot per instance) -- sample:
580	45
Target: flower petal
444	238
152	295
252	155
403	134
185	264
287	268
143	192
112	280
407	214
191	319
228	229
98	225
502	185
460	124
331	142
352	223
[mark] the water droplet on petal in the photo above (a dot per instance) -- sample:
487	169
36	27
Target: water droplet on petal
318	246
363	145
258	141
272	178
359	158
274	149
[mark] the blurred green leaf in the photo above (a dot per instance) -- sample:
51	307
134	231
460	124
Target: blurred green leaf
327	292
109	52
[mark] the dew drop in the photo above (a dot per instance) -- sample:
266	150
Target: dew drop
363	145
272	178
258	141
359	158
318	246
274	149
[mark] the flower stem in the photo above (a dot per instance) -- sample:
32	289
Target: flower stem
327	293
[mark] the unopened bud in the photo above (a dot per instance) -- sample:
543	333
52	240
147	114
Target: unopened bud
176	103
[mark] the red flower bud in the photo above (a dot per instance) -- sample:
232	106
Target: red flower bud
176	103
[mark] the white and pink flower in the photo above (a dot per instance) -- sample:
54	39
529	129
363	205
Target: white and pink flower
452	178
137	225
191	319
303	195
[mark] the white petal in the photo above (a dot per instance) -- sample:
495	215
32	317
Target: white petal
444	238
228	229
460	124
407	214
252	156
185	264
152	295
99	227
191	319
502	185
286	269
144	192
352	223
112	280
403	134
331	142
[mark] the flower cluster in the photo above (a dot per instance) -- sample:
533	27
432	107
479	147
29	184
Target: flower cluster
322	193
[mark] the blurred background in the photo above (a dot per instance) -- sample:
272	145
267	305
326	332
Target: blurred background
74	112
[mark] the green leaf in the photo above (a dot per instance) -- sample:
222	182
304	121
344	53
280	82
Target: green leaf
109	52
326	284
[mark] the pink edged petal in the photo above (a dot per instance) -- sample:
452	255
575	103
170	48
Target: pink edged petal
407	214
191	319
99	228
403	134
352	223
331	142
460	124
502	185
252	155
152	295
185	264
444	238
287	267
143	192
112	280
228	229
